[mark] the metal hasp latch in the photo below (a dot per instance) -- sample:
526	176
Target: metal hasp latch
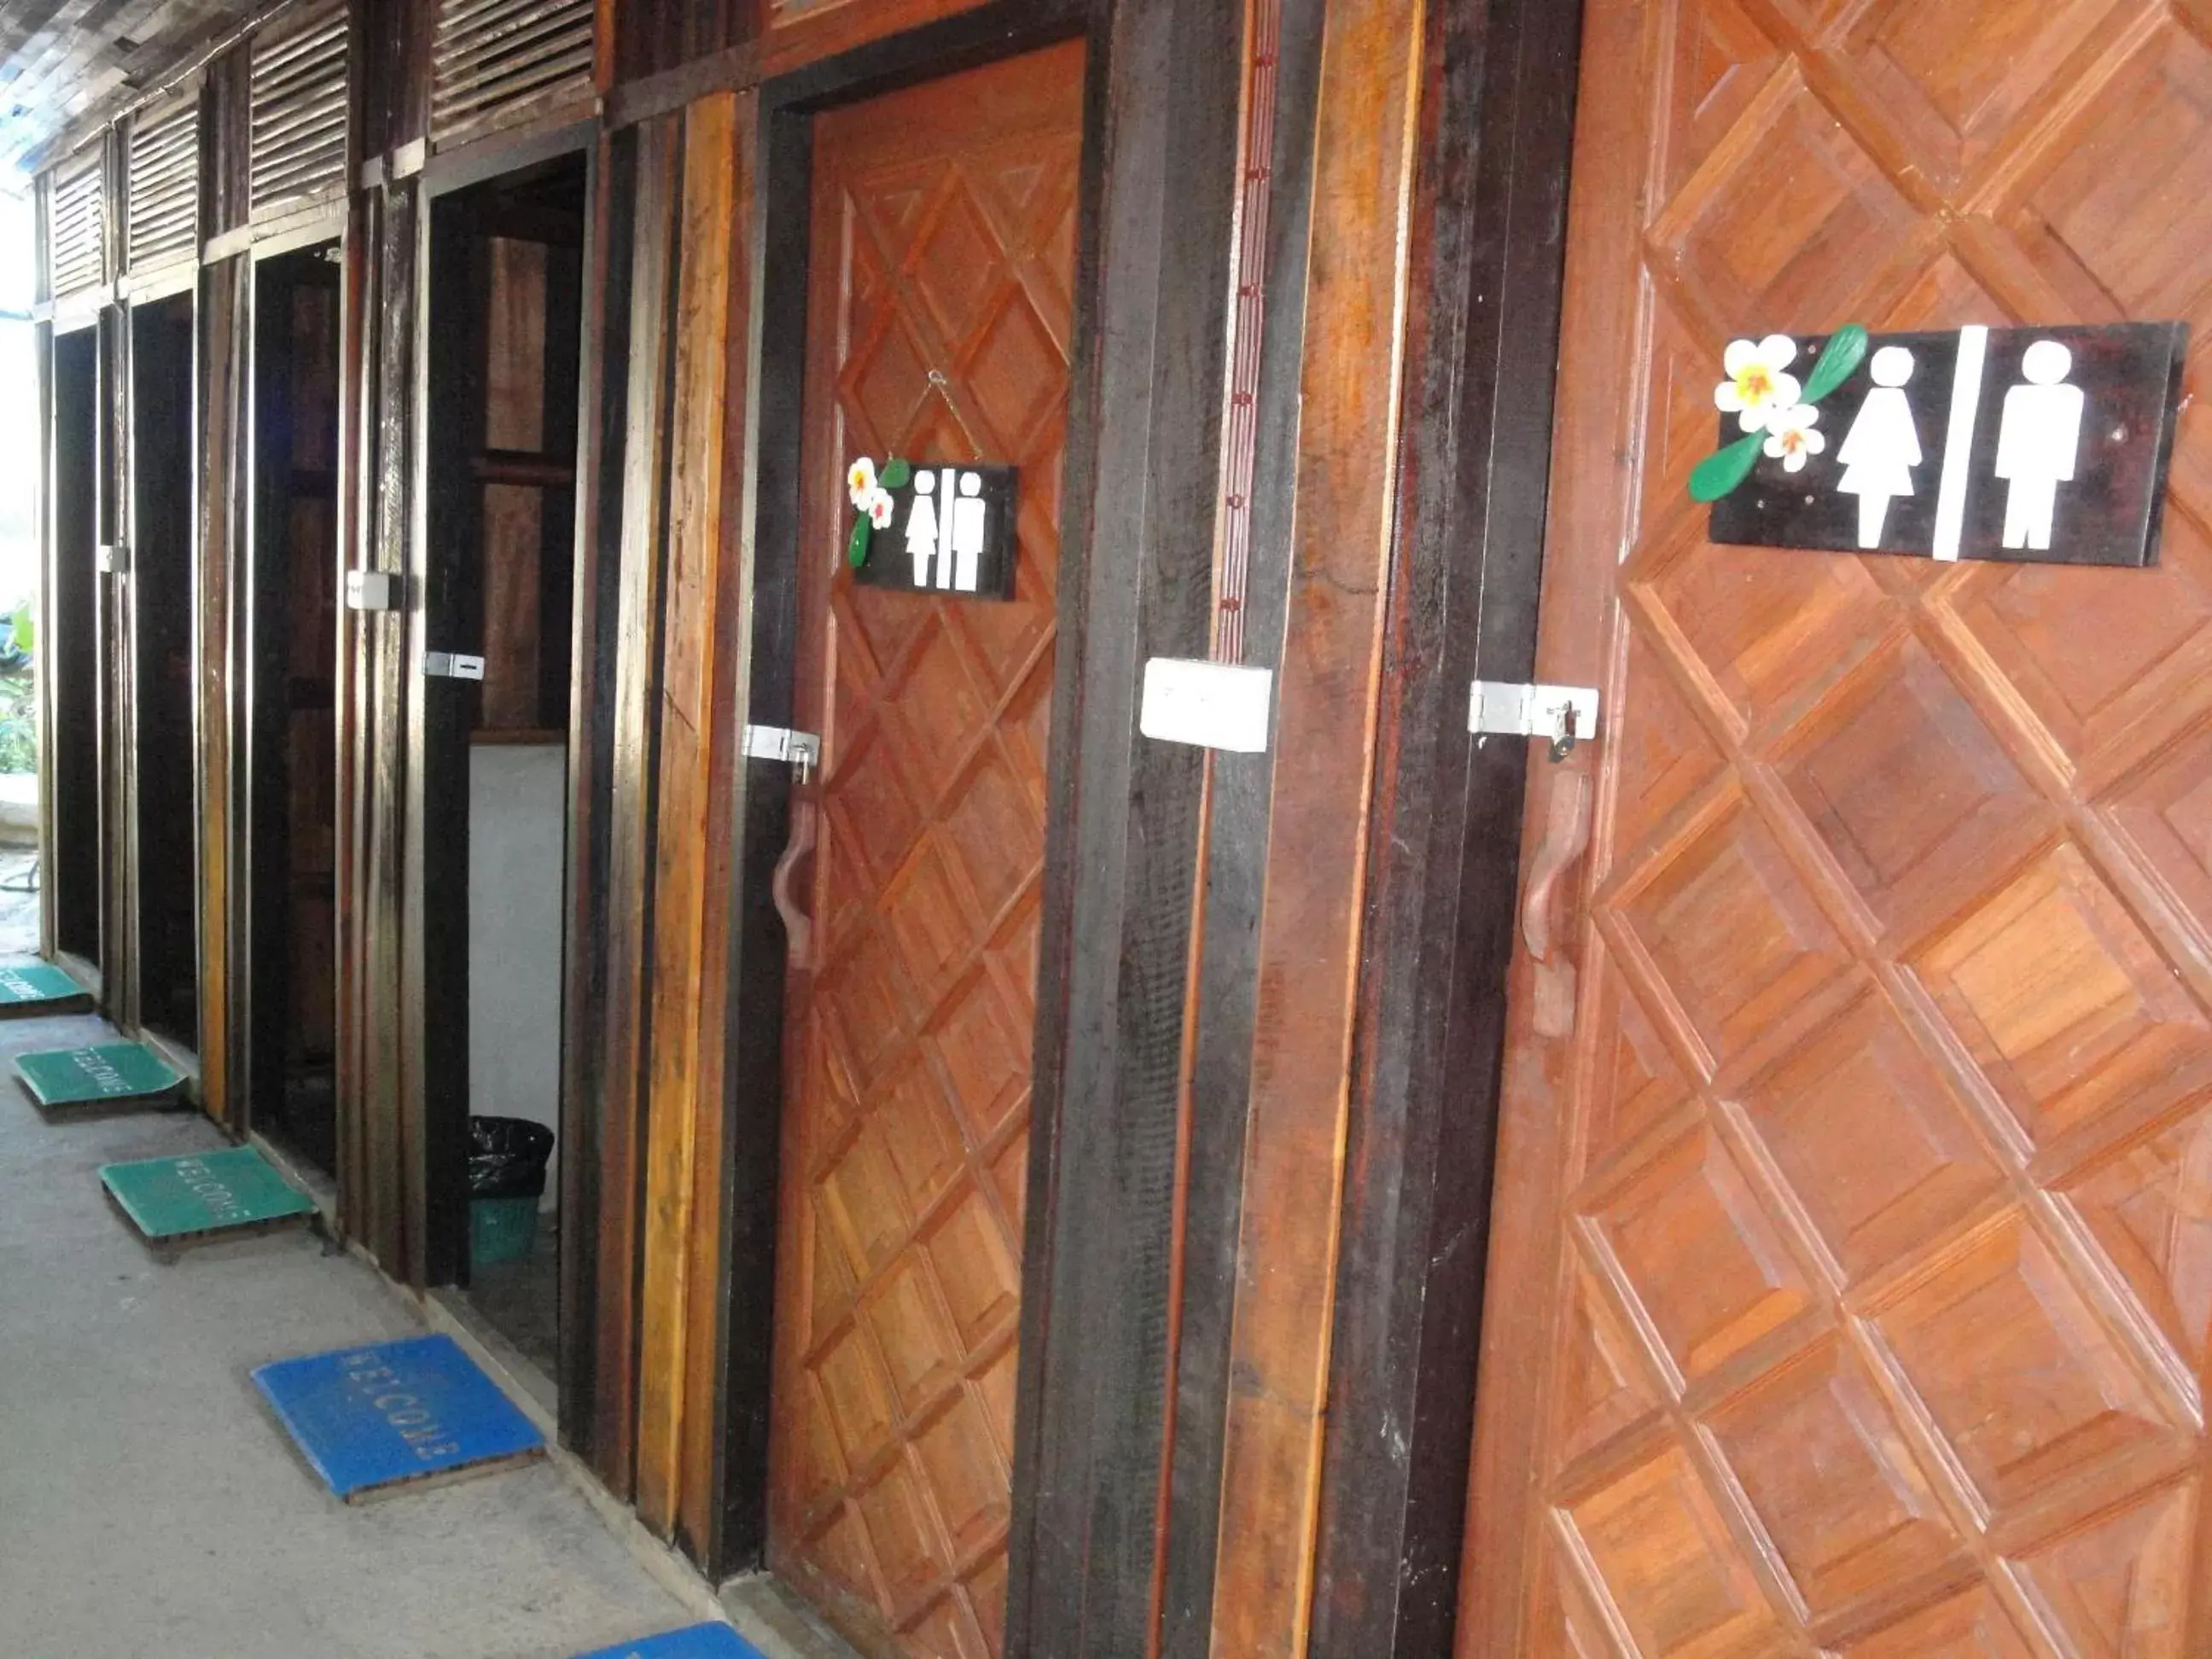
800	750
451	665
1563	715
115	558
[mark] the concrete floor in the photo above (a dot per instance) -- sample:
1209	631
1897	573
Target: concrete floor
150	1506
19	901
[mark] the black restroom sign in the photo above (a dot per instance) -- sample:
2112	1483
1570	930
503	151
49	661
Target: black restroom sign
2024	445
952	531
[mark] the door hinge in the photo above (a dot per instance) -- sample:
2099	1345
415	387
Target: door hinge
115	558
801	750
1563	715
451	665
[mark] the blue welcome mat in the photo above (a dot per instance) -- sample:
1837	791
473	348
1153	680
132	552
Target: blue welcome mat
388	1412
697	1642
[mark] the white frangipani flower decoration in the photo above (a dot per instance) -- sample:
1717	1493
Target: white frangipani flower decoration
1778	415
1791	438
1758	383
871	499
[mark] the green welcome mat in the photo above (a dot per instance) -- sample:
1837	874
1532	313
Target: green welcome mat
105	1072
38	987
171	1199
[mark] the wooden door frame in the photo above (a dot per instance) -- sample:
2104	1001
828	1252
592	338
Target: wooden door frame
116	910
1162	80
257	1031
128	666
434	931
87	970
753	1019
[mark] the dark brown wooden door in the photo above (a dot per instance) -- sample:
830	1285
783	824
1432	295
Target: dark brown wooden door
939	316
1853	1255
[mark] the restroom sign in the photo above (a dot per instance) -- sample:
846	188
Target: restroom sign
2020	445
951	532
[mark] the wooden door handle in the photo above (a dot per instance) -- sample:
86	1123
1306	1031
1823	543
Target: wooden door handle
797	925
1566	838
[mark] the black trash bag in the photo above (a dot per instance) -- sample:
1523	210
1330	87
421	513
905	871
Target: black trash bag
507	1157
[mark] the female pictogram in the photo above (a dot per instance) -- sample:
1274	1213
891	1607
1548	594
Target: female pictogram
1882	446
921	527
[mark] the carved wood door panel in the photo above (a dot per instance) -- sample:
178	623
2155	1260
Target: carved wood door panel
938	318
1852	1259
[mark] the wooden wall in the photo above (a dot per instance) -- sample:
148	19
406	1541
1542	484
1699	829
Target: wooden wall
1232	1213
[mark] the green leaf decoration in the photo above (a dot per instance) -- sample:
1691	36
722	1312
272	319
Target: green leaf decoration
1846	348
1724	469
898	471
856	545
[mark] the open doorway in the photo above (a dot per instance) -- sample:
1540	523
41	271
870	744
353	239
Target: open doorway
69	654
165	827
291	644
504	340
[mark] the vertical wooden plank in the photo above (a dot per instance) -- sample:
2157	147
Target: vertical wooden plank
49	574
357	432
751	1030
688	668
42	660
1326	701
724	326
1115	983
1496	134
226	141
117	976
1239	798
222	402
609	42
602	382
393	1225
637	747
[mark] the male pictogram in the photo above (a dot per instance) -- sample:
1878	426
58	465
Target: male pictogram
2037	443
968	524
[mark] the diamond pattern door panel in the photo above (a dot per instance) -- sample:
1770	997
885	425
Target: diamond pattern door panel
1852	1293
938	318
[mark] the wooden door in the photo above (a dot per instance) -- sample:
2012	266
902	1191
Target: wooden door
939	316
1852	1259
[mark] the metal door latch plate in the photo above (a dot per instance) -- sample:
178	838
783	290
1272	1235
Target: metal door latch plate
1502	709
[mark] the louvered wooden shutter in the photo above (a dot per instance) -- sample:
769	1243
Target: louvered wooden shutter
500	61
76	225
298	103
164	185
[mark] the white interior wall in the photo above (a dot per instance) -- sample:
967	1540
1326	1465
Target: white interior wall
516	828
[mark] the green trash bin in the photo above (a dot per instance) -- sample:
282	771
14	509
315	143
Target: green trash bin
507	1158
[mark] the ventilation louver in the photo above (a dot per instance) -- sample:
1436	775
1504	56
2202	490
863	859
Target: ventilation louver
165	186
500	61
298	96
77	226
